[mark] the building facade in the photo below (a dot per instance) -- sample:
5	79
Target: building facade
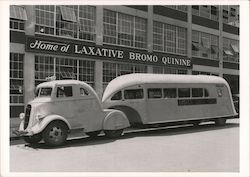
95	44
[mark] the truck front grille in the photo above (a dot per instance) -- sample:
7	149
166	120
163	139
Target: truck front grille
27	116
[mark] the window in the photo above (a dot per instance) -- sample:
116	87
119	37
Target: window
123	29
68	14
83	92
205	45
16	78
117	96
155	93
197	92
210	12
230	50
64	91
231	15
133	94
45	22
206	93
87	22
45	92
169	38
66	21
87	71
63	68
169	92
183	92
17	17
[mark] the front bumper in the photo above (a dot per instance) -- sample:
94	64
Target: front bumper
20	133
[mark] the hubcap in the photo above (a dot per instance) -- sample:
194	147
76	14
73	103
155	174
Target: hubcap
55	134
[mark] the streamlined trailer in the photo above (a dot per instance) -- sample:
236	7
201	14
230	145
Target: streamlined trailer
153	99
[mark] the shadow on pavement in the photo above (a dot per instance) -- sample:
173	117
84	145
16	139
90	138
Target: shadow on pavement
163	131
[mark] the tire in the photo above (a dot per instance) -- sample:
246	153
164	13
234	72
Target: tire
196	123
34	139
113	133
55	134
220	122
93	134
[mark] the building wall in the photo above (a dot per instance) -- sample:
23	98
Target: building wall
95	70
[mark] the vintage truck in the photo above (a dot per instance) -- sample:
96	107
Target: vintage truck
61	106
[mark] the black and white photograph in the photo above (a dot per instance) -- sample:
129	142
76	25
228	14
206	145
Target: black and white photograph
92	88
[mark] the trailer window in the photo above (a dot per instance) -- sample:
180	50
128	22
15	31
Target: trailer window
83	92
117	96
169	92
64	91
133	94
206	94
184	92
154	93
197	92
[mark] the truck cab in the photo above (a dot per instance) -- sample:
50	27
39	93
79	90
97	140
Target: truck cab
61	106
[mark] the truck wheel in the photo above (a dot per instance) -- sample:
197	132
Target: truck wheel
34	139
55	133
220	121
93	134
113	133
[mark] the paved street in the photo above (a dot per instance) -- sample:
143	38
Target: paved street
178	149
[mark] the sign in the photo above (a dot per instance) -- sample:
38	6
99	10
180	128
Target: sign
83	49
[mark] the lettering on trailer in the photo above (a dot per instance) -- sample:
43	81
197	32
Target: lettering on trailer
187	102
42	45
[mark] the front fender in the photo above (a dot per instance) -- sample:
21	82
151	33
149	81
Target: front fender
115	120
39	127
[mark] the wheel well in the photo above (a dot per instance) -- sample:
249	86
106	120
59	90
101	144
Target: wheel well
132	115
59	121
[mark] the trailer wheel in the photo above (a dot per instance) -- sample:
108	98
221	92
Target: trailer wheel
34	139
196	123
220	122
113	133
93	134
55	133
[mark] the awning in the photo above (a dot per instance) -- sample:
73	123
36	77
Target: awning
68	14
18	12
235	48
195	46
228	52
214	49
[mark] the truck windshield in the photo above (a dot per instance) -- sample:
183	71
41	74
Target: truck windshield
44	92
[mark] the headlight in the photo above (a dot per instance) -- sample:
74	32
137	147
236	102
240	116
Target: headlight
39	116
21	116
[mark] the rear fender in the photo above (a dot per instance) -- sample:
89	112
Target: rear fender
45	121
115	120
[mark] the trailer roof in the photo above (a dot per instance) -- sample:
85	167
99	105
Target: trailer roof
139	78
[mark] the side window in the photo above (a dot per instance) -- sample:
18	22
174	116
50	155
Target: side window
169	92
206	93
64	91
197	92
117	96
154	93
83	92
184	92
133	94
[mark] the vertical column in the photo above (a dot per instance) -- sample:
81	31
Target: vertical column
99	25
31	21
29	77
150	28
98	78
99	41
220	70
29	58
189	35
